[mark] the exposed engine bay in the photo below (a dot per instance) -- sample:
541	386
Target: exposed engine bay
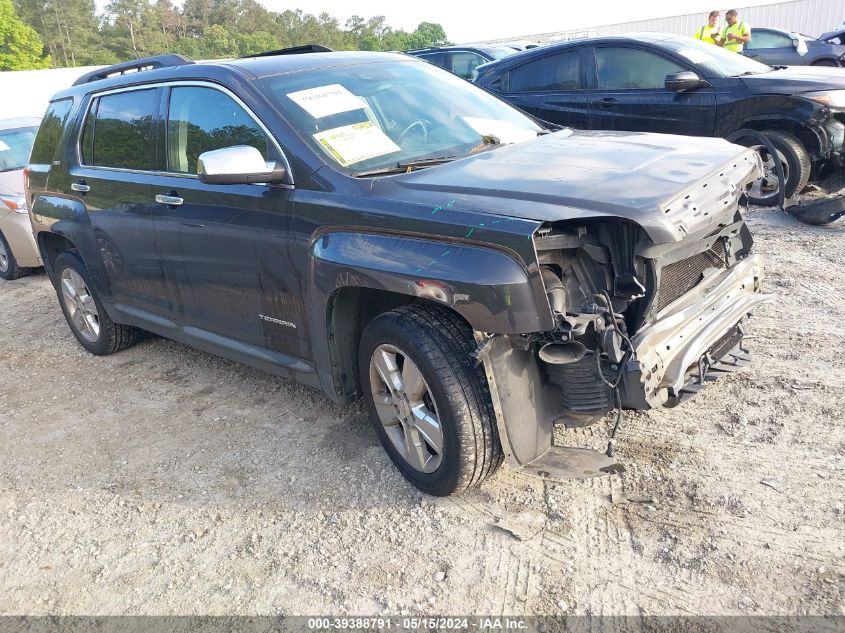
638	325
609	288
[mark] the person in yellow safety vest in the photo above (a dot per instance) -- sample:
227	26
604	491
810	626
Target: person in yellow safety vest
736	33
710	32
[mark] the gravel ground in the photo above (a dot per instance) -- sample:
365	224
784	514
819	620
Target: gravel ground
163	480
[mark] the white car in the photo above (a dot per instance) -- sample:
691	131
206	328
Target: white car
18	251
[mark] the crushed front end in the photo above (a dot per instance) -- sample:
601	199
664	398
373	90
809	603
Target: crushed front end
639	323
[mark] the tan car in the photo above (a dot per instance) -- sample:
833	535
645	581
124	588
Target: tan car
18	251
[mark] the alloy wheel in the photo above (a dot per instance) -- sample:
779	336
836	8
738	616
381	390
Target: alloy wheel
80	305
405	407
767	185
4	257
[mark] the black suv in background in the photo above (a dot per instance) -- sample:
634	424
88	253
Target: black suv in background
462	60
374	226
654	82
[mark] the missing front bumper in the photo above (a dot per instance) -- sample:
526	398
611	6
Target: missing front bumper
696	332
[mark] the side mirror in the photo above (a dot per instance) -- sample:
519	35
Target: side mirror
795	43
685	80
237	165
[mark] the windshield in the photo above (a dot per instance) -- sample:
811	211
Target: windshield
714	59
374	116
15	146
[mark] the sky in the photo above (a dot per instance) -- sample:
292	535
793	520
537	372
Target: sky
494	19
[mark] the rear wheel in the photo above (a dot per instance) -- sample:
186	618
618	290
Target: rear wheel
825	62
428	401
85	313
9	269
794	158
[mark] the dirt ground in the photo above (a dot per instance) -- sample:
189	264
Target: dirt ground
163	480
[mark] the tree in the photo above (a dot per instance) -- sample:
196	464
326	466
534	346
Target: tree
20	46
427	34
70	30
73	34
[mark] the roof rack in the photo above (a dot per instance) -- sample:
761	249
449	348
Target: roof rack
293	50
136	65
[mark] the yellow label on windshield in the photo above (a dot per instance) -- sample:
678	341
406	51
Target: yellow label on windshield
353	143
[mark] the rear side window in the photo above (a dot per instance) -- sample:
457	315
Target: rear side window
555	72
464	63
50	133
632	69
767	39
204	119
118	131
434	58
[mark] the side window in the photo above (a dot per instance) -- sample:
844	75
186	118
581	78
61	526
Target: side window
464	63
767	39
555	72
632	69
122	130
50	132
434	58
203	119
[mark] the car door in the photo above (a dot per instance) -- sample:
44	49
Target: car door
629	93
217	270
117	164
771	47
550	88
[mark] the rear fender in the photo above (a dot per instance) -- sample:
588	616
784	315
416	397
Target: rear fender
69	219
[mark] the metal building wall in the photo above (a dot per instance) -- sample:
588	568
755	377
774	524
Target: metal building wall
811	17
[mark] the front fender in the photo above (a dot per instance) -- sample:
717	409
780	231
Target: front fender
490	289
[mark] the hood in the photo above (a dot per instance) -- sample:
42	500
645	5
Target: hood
670	185
796	79
11	182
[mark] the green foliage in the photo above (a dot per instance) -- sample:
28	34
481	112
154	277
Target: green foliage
20	46
74	35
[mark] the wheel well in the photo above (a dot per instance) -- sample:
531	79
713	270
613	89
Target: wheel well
349	311
807	137
51	246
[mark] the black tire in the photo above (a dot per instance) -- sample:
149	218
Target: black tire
796	157
825	62
439	343
113	337
10	269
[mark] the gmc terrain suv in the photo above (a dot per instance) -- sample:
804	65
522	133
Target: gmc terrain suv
372	225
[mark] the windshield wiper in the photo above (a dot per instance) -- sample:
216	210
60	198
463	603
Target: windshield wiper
405	166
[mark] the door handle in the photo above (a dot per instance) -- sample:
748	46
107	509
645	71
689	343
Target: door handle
606	102
194	225
81	187
170	201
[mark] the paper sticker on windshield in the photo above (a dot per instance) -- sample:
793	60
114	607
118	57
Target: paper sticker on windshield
3	147
505	131
353	143
326	100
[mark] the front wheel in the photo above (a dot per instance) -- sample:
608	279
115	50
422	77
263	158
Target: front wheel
795	160
84	312
428	401
9	269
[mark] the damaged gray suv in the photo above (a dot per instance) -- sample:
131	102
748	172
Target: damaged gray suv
374	226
